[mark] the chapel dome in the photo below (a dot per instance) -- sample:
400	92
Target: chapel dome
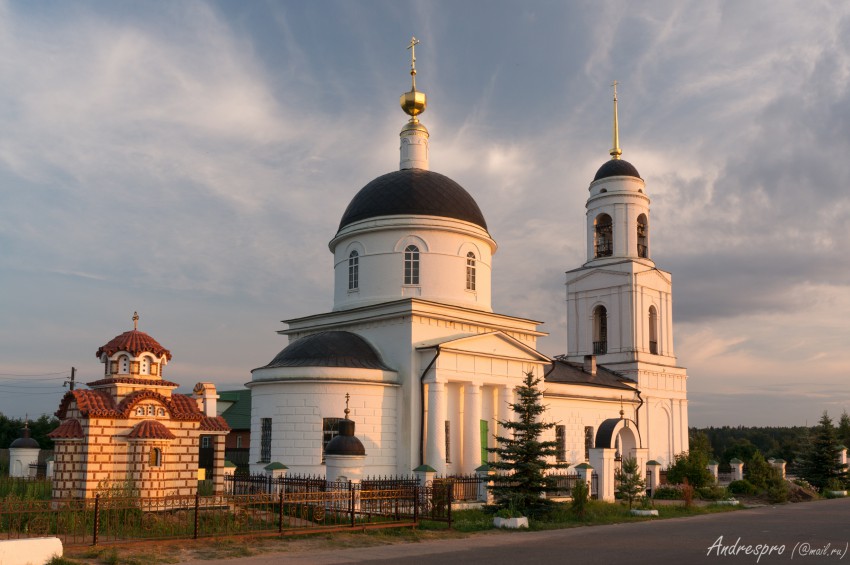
329	349
413	192
135	343
616	168
24	442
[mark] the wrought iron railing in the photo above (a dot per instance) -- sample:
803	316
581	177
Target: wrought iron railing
653	347
600	347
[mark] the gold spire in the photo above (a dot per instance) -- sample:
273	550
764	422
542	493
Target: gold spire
135	320
347	411
413	102
616	151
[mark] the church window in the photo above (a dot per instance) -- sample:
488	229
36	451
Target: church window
470	271
330	429
603	241
600	330
156	457
140	411
144	369
561	443
653	330
588	442
125	364
354	270
238	442
161	412
205	442
411	265
265	440
642	236
448	441
151	410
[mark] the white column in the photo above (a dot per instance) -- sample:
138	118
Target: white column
435	450
602	461
471	428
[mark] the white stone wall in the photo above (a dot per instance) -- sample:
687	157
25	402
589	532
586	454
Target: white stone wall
297	410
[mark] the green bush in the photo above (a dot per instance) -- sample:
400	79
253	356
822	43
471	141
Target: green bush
742	487
668	492
712	493
580	494
692	466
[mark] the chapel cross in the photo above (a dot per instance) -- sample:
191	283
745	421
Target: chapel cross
135	320
413	43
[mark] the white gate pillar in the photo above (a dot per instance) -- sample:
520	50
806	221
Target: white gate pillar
435	451
602	461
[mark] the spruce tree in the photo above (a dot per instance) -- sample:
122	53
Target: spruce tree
820	464
523	459
844	429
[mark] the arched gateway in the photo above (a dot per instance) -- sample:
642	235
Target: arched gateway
615	436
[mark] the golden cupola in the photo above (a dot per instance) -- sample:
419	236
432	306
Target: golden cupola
414	135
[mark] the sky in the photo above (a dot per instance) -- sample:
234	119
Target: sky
191	161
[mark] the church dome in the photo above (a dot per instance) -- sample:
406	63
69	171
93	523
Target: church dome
413	192
616	168
135	343
329	349
24	442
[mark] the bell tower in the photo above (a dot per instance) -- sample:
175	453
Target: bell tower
619	304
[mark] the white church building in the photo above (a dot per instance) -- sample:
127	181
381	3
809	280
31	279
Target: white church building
431	368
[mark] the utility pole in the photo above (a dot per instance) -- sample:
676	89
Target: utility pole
71	382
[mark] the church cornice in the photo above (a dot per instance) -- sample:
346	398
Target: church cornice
387	311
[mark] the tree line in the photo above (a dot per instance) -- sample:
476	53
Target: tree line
742	442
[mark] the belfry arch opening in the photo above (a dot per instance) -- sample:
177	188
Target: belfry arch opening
600	330
603	236
642	237
653	330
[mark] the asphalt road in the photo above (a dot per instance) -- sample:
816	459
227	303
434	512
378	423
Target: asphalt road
814	532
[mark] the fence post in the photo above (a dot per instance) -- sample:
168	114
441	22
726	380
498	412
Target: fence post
280	514
450	496
416	504
197	517
351	490
96	518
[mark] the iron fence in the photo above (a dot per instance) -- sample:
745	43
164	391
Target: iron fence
563	484
121	519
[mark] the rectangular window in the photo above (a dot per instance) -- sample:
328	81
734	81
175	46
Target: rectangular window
330	429
588	442
265	440
205	441
448	441
239	441
561	443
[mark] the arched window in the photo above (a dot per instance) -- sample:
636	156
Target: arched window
411	265
642	236
125	364
156	457
603	241
470	271
653	330
354	270
600	330
145	367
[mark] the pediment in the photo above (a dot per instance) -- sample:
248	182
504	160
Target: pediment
655	278
490	344
599	278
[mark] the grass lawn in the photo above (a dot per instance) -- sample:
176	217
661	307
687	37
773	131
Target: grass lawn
465	523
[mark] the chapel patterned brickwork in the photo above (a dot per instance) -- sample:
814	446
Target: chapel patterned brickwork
130	431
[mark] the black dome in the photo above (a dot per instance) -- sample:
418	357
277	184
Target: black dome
345	443
26	442
616	168
329	349
413	191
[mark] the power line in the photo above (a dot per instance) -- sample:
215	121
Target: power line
32	374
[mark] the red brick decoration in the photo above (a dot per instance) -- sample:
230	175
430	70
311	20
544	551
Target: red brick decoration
150	429
134	342
69	429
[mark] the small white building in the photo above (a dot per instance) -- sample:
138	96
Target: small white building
431	369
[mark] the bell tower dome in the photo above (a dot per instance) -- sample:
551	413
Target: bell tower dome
617	209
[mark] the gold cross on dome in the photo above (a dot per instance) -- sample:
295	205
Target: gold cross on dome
135	320
413	43
347	411
614	84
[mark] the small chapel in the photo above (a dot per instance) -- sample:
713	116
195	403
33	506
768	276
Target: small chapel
129	430
431	369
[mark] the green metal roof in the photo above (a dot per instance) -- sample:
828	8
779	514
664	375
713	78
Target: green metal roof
238	415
